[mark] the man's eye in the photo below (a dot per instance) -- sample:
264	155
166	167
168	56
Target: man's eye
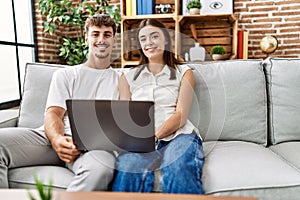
95	35
142	39
107	35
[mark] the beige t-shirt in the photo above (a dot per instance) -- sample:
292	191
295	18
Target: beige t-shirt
160	89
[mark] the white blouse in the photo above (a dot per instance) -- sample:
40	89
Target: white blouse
162	91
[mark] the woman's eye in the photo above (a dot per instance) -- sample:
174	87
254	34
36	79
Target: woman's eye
155	36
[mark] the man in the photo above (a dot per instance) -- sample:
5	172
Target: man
92	80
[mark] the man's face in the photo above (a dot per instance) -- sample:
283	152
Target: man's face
100	41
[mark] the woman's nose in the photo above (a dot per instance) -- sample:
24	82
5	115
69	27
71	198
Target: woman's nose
148	40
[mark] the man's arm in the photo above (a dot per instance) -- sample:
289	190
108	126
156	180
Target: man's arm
54	128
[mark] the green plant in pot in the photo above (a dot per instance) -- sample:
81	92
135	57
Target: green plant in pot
218	52
66	13
44	192
194	7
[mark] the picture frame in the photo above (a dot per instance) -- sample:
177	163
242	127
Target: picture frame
217	7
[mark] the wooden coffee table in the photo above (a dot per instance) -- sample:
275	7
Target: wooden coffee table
19	194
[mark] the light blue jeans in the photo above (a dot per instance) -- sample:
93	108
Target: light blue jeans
180	162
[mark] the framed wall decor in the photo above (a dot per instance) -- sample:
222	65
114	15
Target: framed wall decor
217	7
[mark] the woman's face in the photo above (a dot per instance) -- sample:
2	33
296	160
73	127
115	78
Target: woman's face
152	41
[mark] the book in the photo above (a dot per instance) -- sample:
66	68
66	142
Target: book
147	7
128	8
133	7
245	45
139	7
240	44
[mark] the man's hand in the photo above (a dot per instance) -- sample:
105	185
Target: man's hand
65	148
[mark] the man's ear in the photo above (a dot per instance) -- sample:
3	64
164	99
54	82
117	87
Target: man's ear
86	39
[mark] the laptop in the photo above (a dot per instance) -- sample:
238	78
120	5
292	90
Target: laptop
113	125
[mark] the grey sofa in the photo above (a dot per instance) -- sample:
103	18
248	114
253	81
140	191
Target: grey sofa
248	113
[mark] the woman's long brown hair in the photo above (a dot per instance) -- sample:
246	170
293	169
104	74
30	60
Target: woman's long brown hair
169	56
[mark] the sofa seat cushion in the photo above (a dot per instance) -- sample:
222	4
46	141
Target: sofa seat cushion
289	151
24	177
236	166
230	101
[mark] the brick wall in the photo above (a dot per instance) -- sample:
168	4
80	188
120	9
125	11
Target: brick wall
280	18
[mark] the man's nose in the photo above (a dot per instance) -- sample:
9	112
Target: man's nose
101	39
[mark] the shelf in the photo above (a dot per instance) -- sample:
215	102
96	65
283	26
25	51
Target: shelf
153	16
210	30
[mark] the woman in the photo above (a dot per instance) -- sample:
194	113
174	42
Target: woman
161	79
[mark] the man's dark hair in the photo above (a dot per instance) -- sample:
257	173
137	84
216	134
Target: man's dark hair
100	20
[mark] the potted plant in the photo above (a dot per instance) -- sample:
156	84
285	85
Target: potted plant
194	7
218	52
44	192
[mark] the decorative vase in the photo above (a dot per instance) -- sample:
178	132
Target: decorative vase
218	57
197	53
194	11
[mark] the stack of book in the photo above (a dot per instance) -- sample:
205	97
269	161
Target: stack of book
139	7
242	46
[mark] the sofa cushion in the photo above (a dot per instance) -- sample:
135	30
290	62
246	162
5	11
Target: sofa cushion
240	166
9	118
283	96
230	101
24	177
289	151
36	85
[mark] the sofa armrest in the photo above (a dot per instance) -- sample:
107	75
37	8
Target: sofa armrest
9	118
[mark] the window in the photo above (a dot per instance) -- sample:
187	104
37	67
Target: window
17	47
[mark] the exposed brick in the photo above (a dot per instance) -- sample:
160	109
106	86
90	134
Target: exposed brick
254	32
286	13
258	26
255	15
259	4
266	9
289	30
267	20
289	2
287	25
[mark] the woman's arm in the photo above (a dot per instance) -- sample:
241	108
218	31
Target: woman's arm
179	118
124	90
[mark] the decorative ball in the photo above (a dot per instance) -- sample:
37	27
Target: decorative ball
268	44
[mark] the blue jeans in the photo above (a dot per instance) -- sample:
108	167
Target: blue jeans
180	162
